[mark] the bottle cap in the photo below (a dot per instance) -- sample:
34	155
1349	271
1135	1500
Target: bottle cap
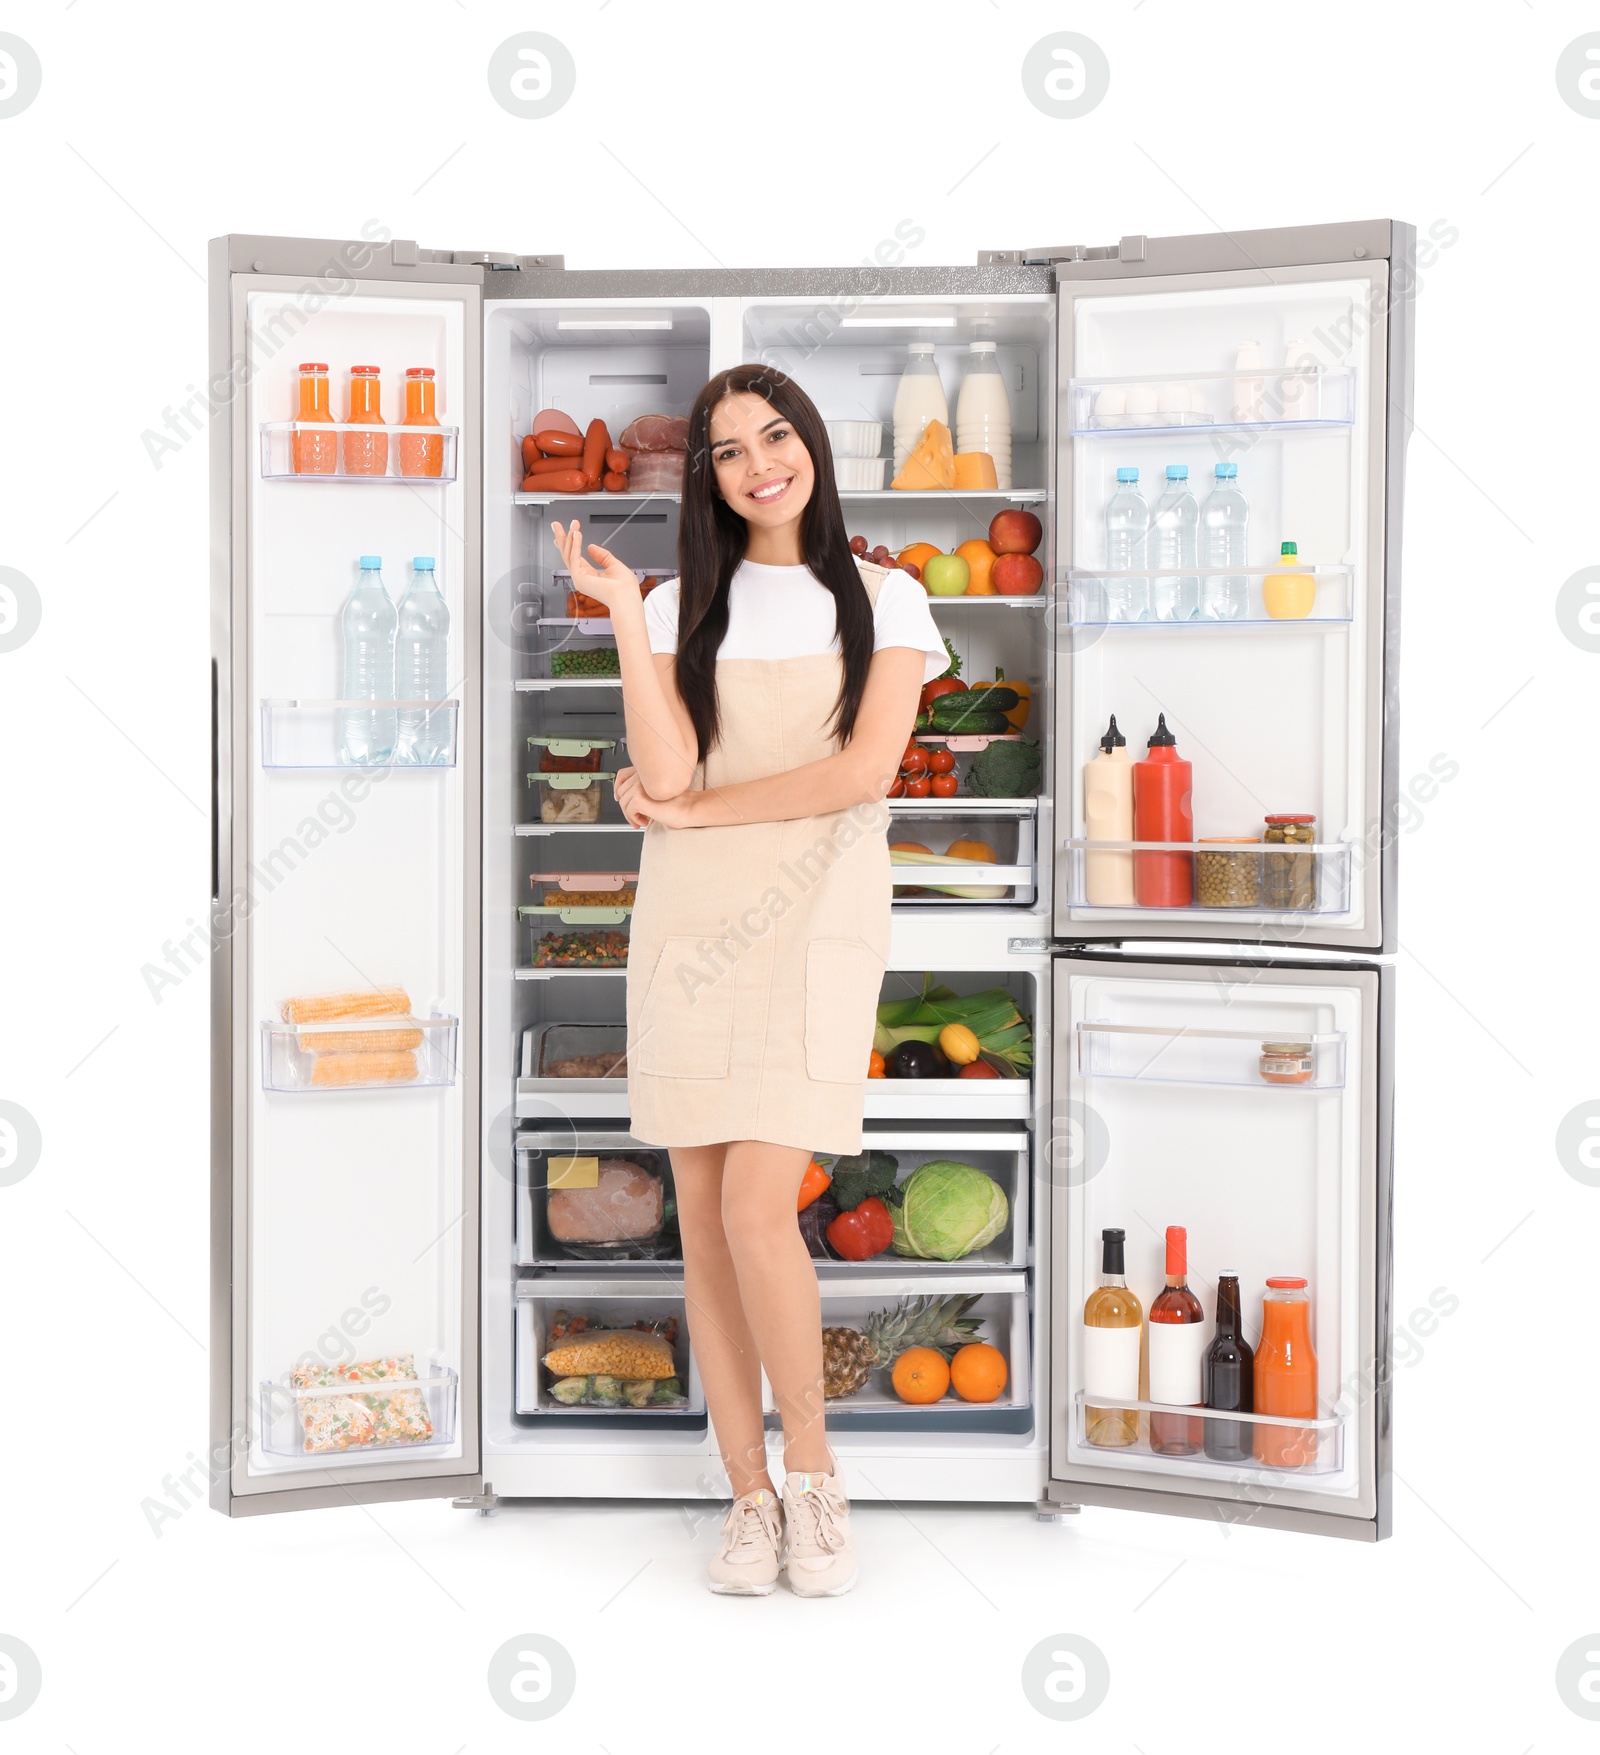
982	347
363	371
1113	739
1228	1274
1286	1283
368	562
1177	472
1227	471
419	371
423	563
312	366
1290	548
1111	1241
919	347
1127	475
1177	1250
1291	818
1161	738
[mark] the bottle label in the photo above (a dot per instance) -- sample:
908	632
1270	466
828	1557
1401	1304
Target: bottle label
1176	1350
1111	1362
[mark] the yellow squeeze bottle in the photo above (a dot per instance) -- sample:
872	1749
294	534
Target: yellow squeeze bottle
1288	595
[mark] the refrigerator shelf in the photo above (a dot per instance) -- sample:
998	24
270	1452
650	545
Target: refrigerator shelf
1328	862
949	1099
1202	1057
1258	399
1087	606
949	496
985	600
277	452
1320	1442
543	972
599	495
290	1054
309	734
579	829
526	685
971	741
282	1432
968	806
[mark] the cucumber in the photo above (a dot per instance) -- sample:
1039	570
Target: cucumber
975	703
972	720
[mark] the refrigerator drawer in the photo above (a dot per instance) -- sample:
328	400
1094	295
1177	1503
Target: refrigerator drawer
624	1227
608	1303
1000	845
566	1069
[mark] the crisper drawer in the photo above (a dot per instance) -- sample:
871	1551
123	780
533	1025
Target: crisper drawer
608	1304
593	1195
577	1069
998	1301
999	844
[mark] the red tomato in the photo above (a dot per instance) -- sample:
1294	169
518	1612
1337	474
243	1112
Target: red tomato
915	760
977	1069
943	785
941	685
897	787
918	787
941	761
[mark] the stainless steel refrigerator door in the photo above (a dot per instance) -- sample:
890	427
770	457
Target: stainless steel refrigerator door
1161	1117
344	1222
1278	714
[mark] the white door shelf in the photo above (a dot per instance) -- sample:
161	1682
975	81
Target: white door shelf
357	1414
1204	1057
1278	399
1090	592
1317	1446
413	456
359	1054
313	734
1314	877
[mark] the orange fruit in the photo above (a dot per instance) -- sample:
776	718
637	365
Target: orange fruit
921	1375
918	554
978	1372
981	559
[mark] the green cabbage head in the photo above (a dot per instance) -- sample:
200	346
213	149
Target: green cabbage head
947	1210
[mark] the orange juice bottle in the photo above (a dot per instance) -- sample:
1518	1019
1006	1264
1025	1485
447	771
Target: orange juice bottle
314	453
365	453
1286	1375
420	456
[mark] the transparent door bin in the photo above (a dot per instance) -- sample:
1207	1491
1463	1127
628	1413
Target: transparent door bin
1001	1308
575	798
1001	849
1240	870
359	1054
416	455
348	1420
1317	1444
609	1304
622	1211
1284	1060
312	734
1092	598
1309	396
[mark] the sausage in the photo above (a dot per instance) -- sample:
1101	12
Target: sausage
557	481
551	466
617	461
530	452
596	442
615	481
554	444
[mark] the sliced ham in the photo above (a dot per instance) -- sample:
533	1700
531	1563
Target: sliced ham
656	432
656	472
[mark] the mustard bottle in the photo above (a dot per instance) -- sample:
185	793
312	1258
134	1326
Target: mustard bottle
1288	594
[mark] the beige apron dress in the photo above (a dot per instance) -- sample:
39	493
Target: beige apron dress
757	951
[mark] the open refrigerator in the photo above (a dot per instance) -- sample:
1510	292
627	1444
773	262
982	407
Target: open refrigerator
398	1233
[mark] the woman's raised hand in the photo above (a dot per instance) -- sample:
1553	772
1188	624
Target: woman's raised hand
604	577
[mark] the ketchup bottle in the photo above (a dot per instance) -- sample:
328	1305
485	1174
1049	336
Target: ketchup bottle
1162	811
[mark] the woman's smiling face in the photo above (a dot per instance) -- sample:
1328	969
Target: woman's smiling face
763	468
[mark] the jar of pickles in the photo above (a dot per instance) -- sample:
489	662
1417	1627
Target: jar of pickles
1289	867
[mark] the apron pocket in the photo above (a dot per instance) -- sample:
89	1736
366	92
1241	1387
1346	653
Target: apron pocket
843	981
686	1021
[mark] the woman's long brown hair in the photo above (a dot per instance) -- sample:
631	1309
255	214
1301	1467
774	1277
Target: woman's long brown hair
711	544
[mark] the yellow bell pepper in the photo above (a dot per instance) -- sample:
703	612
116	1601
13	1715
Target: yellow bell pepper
1017	715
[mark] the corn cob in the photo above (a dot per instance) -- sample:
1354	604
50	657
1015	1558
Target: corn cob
363	1069
360	1041
374	1002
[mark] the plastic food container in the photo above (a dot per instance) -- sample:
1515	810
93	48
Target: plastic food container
854	439
570	755
570	798
1228	880
586	658
563	936
859	474
584	889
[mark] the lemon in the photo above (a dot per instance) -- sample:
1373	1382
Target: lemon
958	1044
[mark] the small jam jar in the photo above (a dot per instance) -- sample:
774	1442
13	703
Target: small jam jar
1287	1063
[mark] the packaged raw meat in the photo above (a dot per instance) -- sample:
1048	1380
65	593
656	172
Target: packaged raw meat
656	472
655	432
625	1204
369	1415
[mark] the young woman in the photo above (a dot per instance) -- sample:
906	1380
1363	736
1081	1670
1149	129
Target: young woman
769	692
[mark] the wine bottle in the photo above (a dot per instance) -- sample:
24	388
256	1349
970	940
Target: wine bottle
1112	1321
1227	1379
1177	1346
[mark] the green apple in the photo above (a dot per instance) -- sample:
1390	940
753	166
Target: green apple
946	575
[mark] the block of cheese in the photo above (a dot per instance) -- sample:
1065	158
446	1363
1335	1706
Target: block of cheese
974	471
931	461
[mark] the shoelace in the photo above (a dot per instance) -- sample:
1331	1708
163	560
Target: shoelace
811	1521
744	1527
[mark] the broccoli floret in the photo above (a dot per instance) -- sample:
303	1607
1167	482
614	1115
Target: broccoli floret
1005	770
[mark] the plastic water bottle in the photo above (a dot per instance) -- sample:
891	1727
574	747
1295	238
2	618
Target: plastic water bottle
422	668
1127	544
368	626
983	411
918	398
1222	544
1175	543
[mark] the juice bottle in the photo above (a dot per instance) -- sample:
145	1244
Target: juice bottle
365	453
420	456
1288	594
1163	785
1286	1375
314	453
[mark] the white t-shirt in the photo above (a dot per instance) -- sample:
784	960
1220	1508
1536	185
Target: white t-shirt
785	612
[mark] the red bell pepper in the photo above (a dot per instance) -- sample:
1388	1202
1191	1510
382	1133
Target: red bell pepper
865	1231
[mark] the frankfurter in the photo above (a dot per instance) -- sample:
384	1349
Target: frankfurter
555	444
617	461
615	481
551	465
596	442
557	481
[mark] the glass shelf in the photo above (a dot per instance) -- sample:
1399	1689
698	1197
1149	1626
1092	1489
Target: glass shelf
414	455
1089	592
1203	1057
359	1054
991	600
599	495
358	1412
1318	1445
313	734
540	684
940	496
1252	872
1260	399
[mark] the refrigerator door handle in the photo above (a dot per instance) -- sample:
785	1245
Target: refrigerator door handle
216	815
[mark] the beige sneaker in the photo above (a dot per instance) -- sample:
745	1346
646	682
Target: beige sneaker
746	1565
820	1556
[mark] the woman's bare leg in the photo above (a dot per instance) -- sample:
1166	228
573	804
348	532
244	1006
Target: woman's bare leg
723	1348
778	1286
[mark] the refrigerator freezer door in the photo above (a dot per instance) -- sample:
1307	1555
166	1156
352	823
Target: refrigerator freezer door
1286	358
1169	1110
344	1153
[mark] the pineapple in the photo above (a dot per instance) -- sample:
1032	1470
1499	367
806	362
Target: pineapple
851	1355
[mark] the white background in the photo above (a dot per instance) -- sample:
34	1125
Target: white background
747	135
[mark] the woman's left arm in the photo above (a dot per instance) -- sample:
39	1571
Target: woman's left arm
861	773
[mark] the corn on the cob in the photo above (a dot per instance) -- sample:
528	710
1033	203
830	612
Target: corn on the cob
360	1041
372	1002
363	1069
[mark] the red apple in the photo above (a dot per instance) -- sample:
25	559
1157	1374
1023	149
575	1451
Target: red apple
1014	533
1016	575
